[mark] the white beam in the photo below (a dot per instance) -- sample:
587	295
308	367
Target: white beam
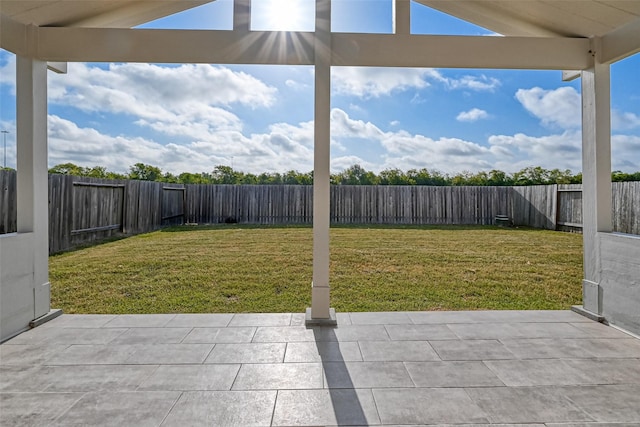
596	176
296	48
570	75
402	16
242	15
32	176
175	46
57	67
397	50
320	301
620	43
13	36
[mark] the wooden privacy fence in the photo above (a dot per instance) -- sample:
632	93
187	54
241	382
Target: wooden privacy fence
349	204
83	210
357	204
249	204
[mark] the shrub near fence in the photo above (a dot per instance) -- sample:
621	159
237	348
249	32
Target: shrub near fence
83	210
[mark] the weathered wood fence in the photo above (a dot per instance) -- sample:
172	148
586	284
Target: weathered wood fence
82	210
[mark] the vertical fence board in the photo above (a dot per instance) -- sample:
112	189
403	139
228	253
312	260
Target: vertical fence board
8	202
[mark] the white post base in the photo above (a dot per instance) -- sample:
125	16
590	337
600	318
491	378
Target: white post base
321	321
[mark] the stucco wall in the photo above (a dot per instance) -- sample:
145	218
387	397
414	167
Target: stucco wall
16	283
620	280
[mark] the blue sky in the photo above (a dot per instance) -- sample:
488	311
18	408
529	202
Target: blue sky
260	118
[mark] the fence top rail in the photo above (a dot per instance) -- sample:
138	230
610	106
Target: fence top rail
95	184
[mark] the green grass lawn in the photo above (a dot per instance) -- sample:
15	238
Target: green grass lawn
268	269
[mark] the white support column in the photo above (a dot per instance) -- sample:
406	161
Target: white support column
402	16
242	15
320	312
596	175
32	176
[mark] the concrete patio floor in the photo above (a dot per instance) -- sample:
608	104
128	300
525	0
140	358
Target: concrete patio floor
553	368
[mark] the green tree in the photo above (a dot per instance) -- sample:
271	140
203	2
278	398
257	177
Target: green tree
169	177
531	176
194	178
619	176
557	176
395	177
68	169
224	175
498	177
356	175
426	177
96	172
145	172
115	175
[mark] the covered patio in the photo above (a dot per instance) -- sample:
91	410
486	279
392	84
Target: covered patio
534	368
416	368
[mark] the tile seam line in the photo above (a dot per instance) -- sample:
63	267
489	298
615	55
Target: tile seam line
273	410
172	406
204	361
186	335
153	372
65	411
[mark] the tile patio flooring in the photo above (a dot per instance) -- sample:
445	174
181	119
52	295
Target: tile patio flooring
553	368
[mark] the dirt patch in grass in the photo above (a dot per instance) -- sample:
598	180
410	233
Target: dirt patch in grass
234	268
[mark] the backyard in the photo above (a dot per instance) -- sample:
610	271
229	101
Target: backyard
235	268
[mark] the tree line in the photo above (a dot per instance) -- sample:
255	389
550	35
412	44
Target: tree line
354	175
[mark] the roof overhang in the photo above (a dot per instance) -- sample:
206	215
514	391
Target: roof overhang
93	13
538	35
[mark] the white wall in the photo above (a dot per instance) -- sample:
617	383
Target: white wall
620	280
16	283
24	262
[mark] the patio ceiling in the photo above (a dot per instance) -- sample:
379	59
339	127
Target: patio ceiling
567	18
93	13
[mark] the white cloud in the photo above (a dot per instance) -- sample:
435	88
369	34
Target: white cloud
150	84
282	148
562	151
472	115
506	152
562	107
558	107
342	126
188	100
405	150
477	83
625	153
357	108
196	102
394	123
295	85
286	146
341	163
372	82
624	121
8	70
